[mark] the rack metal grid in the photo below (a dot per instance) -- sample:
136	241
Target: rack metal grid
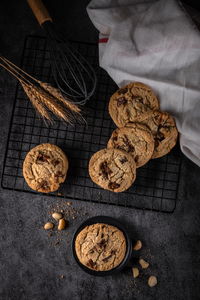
156	186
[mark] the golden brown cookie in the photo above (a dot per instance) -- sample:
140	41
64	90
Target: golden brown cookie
164	130
135	139
112	169
132	103
45	167
100	247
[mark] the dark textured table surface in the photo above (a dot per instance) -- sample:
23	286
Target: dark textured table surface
34	265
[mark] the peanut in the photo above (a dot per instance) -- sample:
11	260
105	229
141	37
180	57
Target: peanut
135	272
152	281
144	264
137	246
61	224
57	216
48	226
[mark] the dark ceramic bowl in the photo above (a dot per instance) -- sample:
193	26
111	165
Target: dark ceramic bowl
109	221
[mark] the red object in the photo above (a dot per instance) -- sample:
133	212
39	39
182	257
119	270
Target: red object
103	40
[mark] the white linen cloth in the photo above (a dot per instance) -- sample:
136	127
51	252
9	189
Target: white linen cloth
154	42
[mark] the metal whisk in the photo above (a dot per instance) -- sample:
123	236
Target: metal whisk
73	74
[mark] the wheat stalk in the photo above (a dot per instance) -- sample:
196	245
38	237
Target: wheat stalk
46	100
43	96
39	107
58	95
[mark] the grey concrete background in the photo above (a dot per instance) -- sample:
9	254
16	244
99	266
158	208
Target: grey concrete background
33	265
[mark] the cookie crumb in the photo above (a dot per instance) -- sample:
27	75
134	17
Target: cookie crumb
135	272
152	281
144	264
57	216
61	224
137	246
48	226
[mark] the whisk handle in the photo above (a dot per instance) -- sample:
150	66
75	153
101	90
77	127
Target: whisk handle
39	10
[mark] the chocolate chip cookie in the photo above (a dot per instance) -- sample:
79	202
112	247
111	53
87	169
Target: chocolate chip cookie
45	167
100	247
132	103
164	130
135	139
112	169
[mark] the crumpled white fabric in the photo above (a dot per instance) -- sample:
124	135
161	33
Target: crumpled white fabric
154	42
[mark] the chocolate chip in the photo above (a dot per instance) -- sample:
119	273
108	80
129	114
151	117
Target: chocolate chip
42	157
91	264
102	235
106	258
121	101
123	91
130	148
105	169
114	138
120	148
59	174
43	185
113	185
55	162
91	251
136	158
123	160
101	243
160	136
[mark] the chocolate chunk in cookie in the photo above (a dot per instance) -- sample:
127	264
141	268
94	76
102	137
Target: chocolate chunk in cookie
164	131
132	103
135	139
100	254
45	167
112	169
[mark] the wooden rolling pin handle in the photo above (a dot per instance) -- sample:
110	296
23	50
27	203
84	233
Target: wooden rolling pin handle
40	11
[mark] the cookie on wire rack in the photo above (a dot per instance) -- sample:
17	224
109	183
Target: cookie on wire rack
112	169
132	103
45	168
163	128
135	139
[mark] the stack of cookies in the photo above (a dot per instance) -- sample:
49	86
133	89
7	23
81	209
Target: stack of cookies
143	132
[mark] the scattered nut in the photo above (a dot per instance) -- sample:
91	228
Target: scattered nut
152	281
144	264
137	246
57	216
61	224
48	226
135	272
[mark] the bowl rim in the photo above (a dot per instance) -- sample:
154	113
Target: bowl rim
110	221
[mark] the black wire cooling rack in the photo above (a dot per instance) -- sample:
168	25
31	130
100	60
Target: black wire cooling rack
156	186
